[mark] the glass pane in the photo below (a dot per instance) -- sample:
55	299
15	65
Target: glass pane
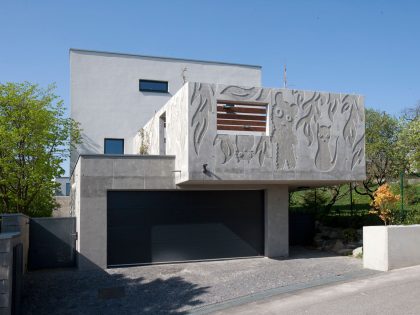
153	86
114	146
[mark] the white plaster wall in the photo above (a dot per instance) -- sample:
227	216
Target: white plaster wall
106	100
176	111
391	247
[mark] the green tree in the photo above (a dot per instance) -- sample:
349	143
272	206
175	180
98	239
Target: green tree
384	157
35	138
409	137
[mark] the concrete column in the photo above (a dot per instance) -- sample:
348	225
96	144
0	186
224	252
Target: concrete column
277	221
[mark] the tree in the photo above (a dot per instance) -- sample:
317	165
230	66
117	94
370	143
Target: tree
409	137
384	157
36	138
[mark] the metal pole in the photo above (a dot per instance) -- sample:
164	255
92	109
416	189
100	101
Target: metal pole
402	190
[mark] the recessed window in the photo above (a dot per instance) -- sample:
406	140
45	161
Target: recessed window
153	86
241	116
67	189
114	146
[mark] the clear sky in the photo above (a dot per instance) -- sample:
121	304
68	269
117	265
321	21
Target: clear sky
365	47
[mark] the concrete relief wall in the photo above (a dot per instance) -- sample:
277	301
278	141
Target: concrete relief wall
310	136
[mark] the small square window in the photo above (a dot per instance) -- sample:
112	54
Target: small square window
114	146
153	86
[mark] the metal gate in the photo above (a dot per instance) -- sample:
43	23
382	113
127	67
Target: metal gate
52	243
167	226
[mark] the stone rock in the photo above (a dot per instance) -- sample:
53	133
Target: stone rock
358	252
345	252
338	246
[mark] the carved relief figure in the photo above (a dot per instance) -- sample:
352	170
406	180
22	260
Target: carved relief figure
201	103
324	160
326	153
283	136
244	148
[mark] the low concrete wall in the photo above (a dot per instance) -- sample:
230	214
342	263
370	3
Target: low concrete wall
7	243
391	247
18	223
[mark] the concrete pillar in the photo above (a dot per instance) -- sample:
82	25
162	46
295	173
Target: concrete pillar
277	221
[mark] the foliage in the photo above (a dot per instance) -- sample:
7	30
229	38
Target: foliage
409	142
144	142
385	158
314	199
36	138
385	204
350	235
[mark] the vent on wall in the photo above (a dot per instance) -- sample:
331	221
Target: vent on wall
241	116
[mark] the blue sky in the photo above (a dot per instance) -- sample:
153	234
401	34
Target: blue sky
365	47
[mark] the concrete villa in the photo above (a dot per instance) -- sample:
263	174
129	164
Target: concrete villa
192	160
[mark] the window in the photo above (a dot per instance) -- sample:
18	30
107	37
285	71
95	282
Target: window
233	116
153	86
67	189
114	146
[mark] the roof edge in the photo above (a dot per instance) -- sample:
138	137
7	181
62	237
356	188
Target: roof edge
163	58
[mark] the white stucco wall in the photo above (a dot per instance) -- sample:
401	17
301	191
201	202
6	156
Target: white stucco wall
391	247
177	130
106	100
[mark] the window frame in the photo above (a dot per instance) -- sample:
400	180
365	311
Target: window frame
119	139
154	90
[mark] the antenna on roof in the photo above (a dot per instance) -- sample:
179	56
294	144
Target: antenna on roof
184	77
285	76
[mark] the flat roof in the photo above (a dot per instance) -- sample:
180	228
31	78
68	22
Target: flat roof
163	58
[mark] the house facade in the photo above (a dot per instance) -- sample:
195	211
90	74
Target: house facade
191	160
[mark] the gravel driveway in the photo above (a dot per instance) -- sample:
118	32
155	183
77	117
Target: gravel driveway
173	288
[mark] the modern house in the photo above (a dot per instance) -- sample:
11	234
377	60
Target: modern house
191	160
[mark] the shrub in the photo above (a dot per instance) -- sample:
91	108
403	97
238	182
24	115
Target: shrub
385	205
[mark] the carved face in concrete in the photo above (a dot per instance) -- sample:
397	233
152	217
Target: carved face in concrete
324	133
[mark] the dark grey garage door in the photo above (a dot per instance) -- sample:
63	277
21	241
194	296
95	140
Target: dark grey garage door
162	226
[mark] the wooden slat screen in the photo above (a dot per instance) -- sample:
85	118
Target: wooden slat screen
241	116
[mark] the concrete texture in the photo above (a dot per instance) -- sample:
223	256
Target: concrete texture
63	208
311	137
276	221
98	174
395	292
105	94
7	241
175	288
391	247
17	223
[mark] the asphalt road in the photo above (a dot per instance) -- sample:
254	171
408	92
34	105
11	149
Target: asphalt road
394	292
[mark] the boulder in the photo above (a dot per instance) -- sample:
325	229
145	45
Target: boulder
358	252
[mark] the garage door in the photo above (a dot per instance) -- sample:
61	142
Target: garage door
164	226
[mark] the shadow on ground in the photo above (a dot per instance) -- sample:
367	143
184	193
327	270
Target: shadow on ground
97	292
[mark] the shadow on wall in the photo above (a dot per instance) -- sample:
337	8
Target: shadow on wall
98	291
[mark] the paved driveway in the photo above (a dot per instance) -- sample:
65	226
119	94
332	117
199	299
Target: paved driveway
175	288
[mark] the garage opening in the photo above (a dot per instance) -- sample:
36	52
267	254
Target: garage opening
146	227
